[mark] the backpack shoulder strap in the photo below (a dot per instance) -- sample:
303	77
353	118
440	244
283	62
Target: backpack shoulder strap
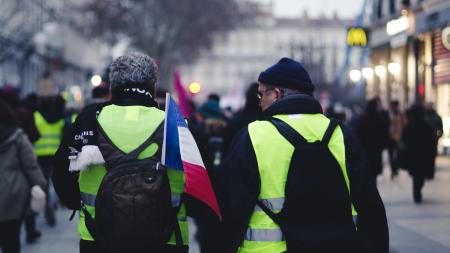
113	155
330	130
153	138
289	133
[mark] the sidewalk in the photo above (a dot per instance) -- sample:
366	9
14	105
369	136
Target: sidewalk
423	228
413	228
63	238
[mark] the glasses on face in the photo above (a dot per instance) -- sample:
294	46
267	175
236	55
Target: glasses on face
259	95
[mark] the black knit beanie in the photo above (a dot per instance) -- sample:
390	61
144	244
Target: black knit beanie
287	73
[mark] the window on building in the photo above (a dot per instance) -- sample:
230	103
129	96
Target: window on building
392	7
379	9
406	3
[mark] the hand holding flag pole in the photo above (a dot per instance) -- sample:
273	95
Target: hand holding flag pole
181	152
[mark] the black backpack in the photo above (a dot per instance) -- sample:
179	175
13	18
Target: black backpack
316	216
133	207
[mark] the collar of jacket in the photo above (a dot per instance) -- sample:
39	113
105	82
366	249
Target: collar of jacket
7	134
132	94
294	104
131	102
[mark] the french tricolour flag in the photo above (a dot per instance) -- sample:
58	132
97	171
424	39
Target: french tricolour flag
181	152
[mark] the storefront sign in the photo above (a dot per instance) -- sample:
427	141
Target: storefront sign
441	56
433	19
357	37
397	26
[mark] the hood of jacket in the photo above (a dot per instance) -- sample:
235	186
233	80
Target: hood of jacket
7	135
294	104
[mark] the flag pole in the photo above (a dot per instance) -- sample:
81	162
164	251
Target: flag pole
163	153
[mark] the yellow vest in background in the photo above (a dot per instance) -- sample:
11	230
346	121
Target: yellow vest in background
51	134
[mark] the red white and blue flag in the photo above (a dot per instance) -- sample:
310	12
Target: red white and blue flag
181	152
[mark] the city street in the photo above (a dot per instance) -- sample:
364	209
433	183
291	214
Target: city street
413	228
418	228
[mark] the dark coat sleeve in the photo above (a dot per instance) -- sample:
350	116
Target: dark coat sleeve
238	185
29	163
372	222
65	182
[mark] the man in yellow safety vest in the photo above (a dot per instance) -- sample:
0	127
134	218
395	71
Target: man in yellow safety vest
296	181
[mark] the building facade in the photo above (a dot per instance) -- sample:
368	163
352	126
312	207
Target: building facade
410	48
38	46
237	57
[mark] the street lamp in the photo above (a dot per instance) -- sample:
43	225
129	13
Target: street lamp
96	80
380	70
394	68
195	87
355	75
367	73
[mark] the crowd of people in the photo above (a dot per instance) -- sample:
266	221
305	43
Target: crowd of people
261	159
410	137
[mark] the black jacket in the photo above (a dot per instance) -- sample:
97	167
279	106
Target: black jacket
419	144
238	185
66	183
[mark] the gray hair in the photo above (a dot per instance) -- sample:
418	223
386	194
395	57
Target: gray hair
135	68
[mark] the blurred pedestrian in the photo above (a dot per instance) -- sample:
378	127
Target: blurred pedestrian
285	183
373	132
208	124
248	114
24	115
397	123
145	209
19	172
50	121
25	118
418	139
99	94
435	121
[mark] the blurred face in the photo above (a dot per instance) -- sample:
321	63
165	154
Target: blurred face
267	96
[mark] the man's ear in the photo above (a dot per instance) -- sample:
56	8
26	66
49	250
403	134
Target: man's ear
278	92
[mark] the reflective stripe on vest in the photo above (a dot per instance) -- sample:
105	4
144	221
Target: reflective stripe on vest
90	179
89	199
274	204
50	135
263	234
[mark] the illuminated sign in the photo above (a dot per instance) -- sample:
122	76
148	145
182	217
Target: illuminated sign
357	37
446	37
398	25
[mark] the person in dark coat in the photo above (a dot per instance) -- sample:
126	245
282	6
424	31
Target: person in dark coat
373	132
246	115
24	115
19	172
418	143
435	121
239	181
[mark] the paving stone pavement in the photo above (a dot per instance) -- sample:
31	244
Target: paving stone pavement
423	228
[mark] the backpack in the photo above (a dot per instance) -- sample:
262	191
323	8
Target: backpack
133	207
317	215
